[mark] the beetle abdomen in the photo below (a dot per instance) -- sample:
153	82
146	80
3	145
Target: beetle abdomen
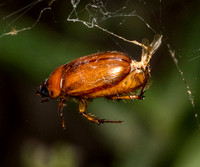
95	72
130	83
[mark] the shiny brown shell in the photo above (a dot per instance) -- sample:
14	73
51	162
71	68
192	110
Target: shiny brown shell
96	72
89	74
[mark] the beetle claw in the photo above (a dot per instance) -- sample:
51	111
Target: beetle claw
99	121
142	97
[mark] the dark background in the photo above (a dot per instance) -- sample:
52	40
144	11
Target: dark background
158	131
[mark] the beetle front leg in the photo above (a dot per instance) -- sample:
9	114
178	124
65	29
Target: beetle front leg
82	110
61	103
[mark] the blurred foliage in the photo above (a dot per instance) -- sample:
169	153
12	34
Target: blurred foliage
158	131
60	154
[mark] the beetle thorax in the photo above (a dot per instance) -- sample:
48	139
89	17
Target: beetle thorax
55	82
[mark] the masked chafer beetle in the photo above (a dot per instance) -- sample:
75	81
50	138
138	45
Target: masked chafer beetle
112	75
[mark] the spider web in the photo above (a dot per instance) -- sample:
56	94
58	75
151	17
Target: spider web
96	14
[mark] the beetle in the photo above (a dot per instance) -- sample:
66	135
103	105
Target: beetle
111	74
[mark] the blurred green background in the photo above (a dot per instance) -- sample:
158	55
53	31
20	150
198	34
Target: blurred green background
160	131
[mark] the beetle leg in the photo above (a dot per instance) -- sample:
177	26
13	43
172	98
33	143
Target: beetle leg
128	97
82	110
147	76
61	103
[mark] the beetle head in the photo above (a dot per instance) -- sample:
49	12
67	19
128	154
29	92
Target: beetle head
43	91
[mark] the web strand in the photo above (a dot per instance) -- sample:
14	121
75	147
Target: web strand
189	92
24	10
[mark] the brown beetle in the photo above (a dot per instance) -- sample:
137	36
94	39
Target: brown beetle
108	74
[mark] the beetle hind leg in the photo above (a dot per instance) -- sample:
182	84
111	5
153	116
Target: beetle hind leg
82	110
128	97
